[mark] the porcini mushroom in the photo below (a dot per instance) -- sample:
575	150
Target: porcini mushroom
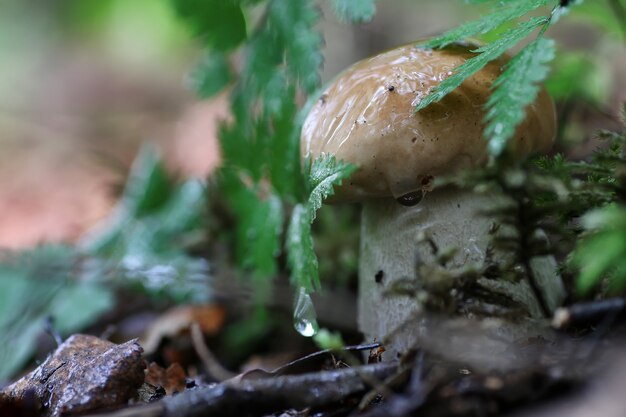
367	117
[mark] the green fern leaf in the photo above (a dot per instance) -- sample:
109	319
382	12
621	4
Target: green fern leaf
326	172
507	11
211	75
263	234
259	215
219	23
294	23
486	54
516	88
603	252
357	11
301	256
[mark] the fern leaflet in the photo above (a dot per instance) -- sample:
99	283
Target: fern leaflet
357	11
325	173
515	89
301	256
486	54
509	11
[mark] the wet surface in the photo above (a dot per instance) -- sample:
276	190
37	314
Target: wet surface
84	374
367	117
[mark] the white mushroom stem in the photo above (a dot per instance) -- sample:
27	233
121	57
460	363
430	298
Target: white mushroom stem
390	249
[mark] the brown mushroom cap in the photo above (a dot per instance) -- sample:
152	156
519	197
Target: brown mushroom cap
366	117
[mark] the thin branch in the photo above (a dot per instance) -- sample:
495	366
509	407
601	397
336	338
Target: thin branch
211	365
249	398
587	313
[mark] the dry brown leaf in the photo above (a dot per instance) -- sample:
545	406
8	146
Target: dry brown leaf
209	317
173	379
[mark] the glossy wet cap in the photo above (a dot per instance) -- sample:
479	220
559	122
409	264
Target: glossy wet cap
366	117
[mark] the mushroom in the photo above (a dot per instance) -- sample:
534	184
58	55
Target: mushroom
366	117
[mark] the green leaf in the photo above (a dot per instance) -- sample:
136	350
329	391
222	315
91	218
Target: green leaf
40	283
211	75
219	23
294	22
262	71
326	172
486	54
264	233
580	76
284	158
600	16
325	339
597	256
301	257
150	201
507	11
148	185
516	88
357	11
142	243
260	219
602	252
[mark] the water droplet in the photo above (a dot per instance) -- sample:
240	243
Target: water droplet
410	199
304	315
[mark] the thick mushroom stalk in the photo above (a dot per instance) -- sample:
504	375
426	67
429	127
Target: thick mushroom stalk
392	251
367	117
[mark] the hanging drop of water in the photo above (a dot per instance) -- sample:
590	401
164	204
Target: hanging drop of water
304	315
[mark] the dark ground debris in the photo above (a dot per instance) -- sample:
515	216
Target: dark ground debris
83	374
445	377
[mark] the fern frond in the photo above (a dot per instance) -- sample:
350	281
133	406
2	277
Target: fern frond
301	257
326	172
211	75
516	88
486	54
357	11
294	23
506	12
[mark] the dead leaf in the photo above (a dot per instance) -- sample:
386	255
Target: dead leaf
209	317
173	379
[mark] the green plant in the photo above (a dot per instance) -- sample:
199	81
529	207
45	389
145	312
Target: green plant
518	85
39	284
262	178
601	252
141	245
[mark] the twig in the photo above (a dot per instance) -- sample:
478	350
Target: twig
249	398
211	365
377	384
405	403
587	313
355	348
